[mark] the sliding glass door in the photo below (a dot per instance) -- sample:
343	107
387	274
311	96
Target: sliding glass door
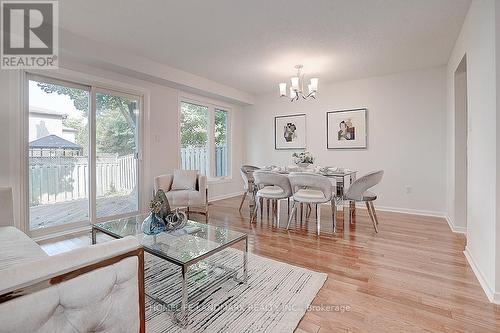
58	159
83	148
116	151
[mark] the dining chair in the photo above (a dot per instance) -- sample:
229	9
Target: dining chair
311	189
246	172
358	192
274	187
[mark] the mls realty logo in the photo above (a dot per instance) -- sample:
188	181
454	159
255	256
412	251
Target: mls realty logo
29	34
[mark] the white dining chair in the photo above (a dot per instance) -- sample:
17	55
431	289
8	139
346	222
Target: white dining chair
246	172
358	192
274	187
312	189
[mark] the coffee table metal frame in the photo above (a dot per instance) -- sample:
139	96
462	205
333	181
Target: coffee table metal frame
182	320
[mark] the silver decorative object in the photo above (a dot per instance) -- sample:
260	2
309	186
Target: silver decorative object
164	209
175	220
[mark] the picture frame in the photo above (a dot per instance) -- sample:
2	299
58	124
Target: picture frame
347	129
290	132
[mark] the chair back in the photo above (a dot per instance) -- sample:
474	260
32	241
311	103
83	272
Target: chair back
246	172
361	185
6	207
269	178
300	180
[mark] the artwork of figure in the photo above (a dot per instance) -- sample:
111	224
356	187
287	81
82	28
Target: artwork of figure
289	132
347	130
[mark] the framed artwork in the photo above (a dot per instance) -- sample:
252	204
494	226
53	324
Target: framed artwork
290	132
346	129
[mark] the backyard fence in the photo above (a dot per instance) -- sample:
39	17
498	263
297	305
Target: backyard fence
58	179
64	178
196	158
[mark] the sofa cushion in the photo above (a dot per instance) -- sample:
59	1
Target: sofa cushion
185	180
17	248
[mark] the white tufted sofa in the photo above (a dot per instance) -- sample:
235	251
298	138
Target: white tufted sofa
99	288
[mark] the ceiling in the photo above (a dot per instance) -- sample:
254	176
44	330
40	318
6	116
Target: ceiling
253	45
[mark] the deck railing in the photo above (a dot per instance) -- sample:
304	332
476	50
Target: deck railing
196	158
59	179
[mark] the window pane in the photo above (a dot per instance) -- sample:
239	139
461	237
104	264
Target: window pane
194	137
116	148
221	145
58	155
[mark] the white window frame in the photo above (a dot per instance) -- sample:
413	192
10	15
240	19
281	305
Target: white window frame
96	84
212	105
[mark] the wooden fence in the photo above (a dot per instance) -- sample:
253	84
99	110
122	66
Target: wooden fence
196	158
58	179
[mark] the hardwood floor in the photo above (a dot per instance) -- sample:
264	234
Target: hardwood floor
410	277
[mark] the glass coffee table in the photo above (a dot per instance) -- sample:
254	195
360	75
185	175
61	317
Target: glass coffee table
185	248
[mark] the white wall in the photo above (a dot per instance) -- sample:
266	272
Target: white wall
460	137
406	134
4	128
477	41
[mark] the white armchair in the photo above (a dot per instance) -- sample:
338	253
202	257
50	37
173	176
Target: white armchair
185	197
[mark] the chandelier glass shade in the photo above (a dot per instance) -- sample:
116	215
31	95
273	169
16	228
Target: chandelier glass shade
297	90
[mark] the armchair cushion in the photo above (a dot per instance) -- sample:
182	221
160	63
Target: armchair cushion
163	182
185	198
185	180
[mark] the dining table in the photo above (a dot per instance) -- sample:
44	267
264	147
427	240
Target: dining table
341	179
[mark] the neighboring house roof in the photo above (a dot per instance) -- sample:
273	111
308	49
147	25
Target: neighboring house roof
40	110
69	129
53	141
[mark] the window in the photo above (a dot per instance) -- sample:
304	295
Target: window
221	117
67	185
204	132
194	137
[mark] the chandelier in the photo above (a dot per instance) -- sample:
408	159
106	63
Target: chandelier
297	86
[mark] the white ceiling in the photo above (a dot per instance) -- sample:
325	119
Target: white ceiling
252	45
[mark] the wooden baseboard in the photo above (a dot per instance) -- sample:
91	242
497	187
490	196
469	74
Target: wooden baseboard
225	196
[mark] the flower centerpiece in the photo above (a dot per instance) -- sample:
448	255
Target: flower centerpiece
303	159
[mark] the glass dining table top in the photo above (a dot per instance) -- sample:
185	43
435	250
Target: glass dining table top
319	171
183	246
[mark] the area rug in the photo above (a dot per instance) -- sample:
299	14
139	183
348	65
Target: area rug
274	299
